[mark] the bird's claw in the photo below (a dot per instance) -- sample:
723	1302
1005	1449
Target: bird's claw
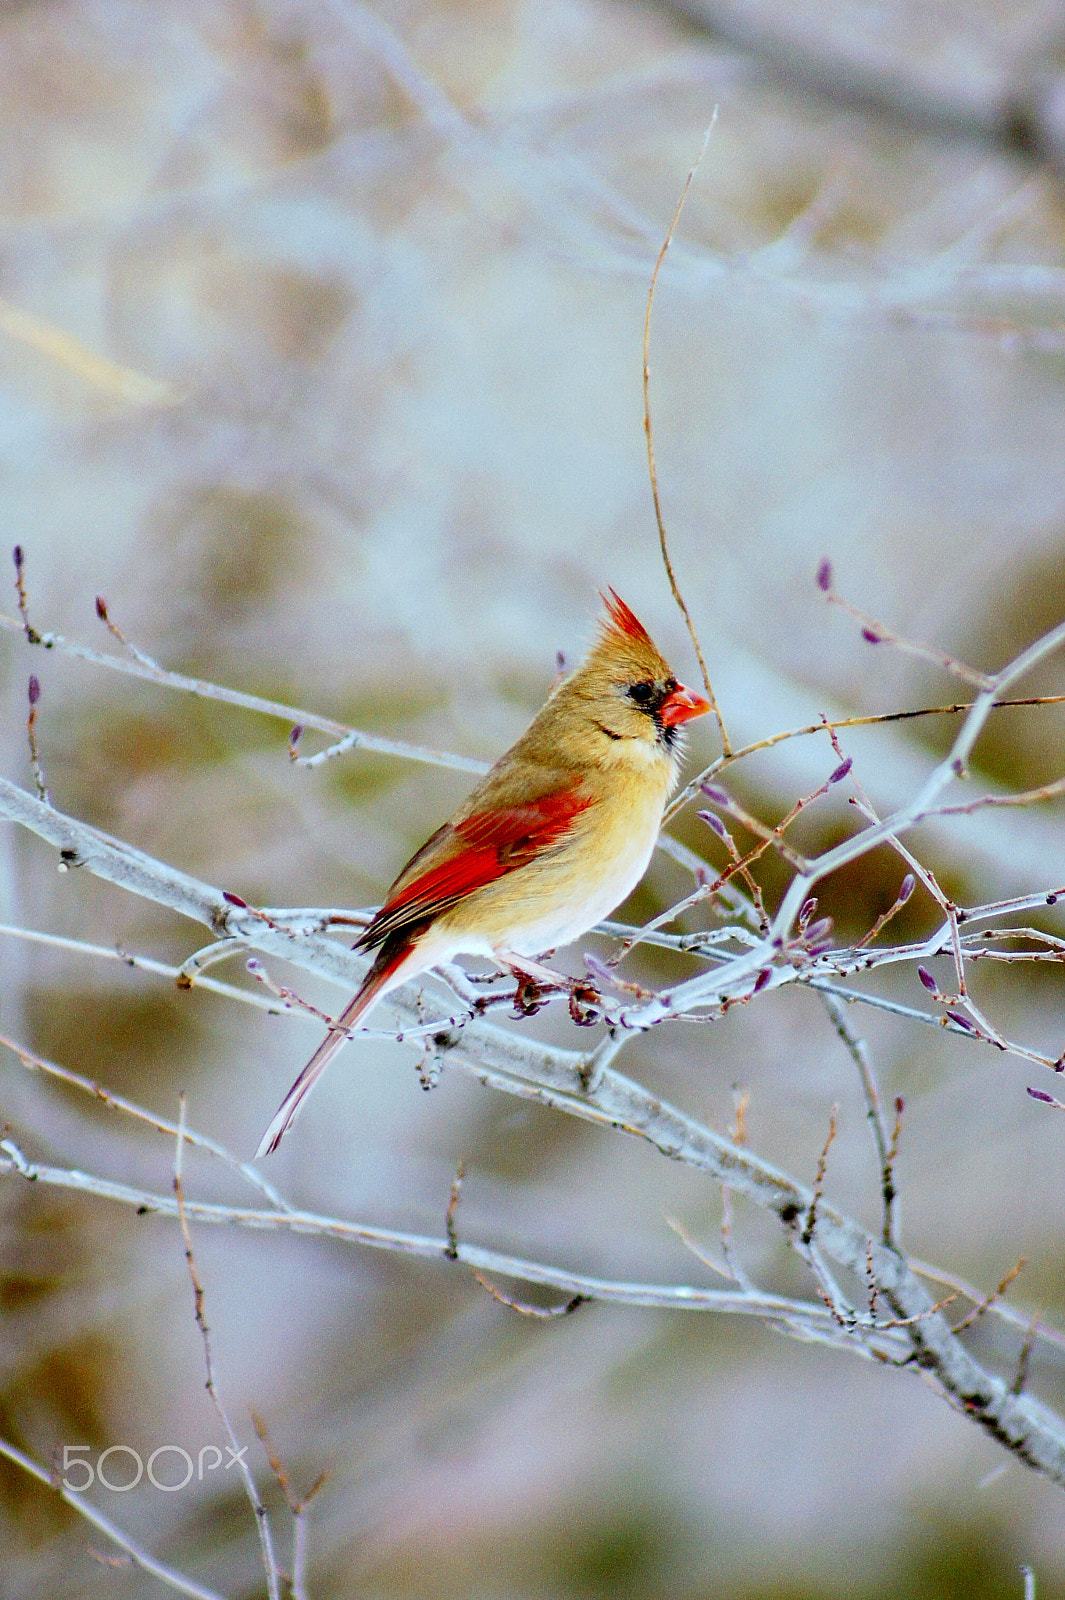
529	996
583	1000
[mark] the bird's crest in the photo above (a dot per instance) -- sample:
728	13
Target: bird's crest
624	621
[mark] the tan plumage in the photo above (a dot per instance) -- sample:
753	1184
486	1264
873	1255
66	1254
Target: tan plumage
550	840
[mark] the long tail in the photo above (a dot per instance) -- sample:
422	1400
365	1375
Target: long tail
389	959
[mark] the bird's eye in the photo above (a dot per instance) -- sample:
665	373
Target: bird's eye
641	693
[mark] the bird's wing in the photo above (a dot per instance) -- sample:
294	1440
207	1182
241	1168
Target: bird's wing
465	855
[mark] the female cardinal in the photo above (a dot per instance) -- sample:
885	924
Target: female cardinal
551	839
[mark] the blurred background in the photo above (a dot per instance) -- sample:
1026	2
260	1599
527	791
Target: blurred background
320	359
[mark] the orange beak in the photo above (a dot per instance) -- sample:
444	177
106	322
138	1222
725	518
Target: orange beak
682	705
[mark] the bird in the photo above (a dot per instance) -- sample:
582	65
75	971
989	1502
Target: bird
553	837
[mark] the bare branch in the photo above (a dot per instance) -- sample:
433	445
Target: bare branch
140	666
578	1286
138	1556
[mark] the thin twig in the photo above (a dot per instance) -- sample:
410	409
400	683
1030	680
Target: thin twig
980	1310
138	667
1021	1377
116	633
297	1504
23	625
33	695
859	1054
819	1180
236	1451
770	835
659	519
690	1244
138	963
116	1102
876	632
544	1313
454	1253
692	789
138	1556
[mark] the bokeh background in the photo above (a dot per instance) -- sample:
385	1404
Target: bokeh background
320	358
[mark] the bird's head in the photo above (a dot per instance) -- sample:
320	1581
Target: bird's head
627	691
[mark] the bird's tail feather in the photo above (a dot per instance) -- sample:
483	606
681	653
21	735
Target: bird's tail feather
387	963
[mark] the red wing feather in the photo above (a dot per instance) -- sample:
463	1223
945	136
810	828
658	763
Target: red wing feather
479	850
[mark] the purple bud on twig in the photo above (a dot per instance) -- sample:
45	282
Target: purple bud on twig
927	979
234	900
296	735
961	1022
842	770
818	931
18	558
900	1105
597	968
824	576
720	797
906	888
1041	1094
715	822
101	608
871	636
34	690
807	911
762	979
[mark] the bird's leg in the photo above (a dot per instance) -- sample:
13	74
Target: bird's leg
526	967
533	977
